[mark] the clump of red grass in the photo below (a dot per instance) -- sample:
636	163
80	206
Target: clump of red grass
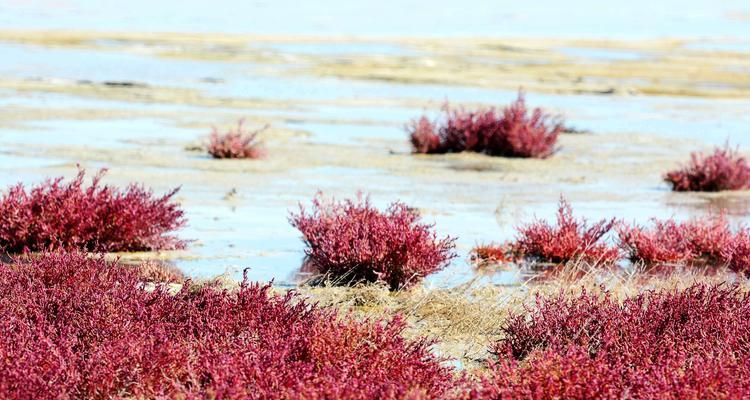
725	169
98	218
665	344
236	143
491	253
568	240
352	241
513	132
702	241
77	327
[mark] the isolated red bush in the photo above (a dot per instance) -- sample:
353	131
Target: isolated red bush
236	143
660	345
707	240
570	239
513	132
76	327
491	253
725	169
58	215
352	241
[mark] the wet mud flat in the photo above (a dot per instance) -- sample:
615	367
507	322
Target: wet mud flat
336	107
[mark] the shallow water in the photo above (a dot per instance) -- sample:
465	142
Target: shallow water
46	131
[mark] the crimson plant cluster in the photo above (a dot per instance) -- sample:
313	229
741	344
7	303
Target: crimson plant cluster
707	241
514	131
58	215
236	143
78	327
690	344
352	241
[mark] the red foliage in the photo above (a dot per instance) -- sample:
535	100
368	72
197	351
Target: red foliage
740	253
660	345
76	327
236	143
57	215
491	253
423	137
701	240
514	132
568	240
725	169
352	241
524	134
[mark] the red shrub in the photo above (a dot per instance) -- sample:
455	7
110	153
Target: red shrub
57	215
704	241
423	136
688	344
75	327
236	143
569	240
491	253
352	241
521	134
513	133
725	169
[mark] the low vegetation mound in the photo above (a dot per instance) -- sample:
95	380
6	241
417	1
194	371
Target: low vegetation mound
725	169
352	241
514	131
79	327
570	239
706	240
659	345
236	143
98	218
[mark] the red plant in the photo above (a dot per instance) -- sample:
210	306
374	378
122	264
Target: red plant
352	241
423	136
77	327
491	253
57	215
739	258
667	345
521	134
725	169
513	133
703	241
236	143
568	240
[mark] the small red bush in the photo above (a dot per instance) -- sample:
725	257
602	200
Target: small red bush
570	239
236	143
76	327
514	132
697	241
57	215
352	241
423	136
725	169
491	253
660	345
524	134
